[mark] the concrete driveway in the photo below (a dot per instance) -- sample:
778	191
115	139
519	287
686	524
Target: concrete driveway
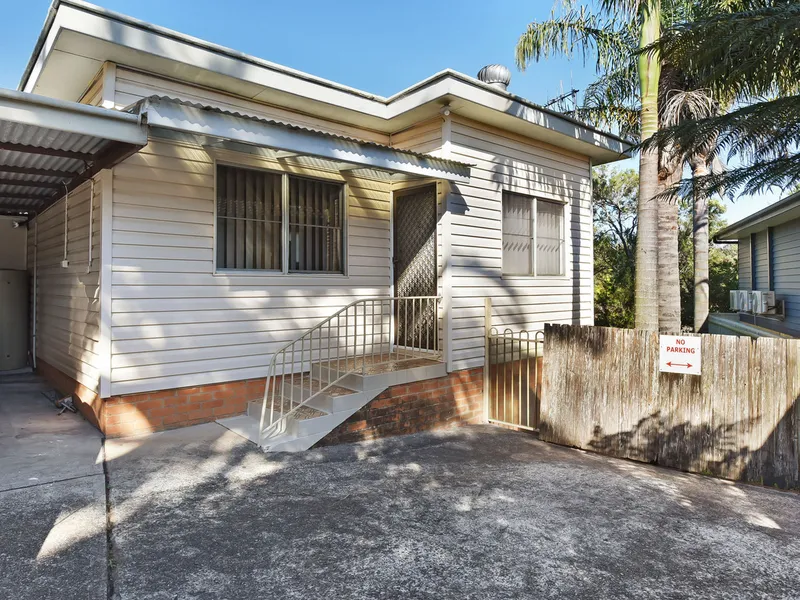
477	512
52	498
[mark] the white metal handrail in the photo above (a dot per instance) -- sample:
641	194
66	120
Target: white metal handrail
367	333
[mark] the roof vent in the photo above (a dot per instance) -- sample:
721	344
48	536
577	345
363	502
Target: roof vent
495	75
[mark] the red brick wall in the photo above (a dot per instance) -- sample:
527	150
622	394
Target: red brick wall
167	409
456	399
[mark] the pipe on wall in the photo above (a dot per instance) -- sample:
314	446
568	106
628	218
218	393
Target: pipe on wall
65	262
91	223
35	288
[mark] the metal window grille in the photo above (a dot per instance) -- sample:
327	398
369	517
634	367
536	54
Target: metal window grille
263	217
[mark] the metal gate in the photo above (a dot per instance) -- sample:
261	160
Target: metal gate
513	375
415	265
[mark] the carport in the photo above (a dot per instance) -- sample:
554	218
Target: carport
48	147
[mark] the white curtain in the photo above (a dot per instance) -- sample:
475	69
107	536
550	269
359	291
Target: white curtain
549	238
517	234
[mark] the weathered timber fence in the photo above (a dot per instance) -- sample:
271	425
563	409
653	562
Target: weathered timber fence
739	419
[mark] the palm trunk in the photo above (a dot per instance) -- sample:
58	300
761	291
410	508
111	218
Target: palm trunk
669	283
700	243
647	239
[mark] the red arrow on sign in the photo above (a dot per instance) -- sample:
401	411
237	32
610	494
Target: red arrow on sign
687	365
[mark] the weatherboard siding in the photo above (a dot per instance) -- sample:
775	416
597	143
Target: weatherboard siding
425	137
744	263
67	299
175	322
786	269
761	261
504	160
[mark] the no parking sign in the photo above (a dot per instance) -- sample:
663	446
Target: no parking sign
679	354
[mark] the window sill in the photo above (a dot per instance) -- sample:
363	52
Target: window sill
276	274
537	277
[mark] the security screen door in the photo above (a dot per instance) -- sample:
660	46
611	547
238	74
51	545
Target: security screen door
415	266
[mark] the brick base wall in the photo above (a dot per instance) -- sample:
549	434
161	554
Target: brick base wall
167	409
456	399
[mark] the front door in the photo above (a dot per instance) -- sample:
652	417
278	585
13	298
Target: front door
415	267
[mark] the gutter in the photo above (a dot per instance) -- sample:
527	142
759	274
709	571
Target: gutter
782	205
48	24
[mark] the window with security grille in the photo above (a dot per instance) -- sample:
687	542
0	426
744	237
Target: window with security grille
278	222
315	226
533	236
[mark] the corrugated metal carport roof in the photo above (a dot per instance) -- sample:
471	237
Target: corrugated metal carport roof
49	146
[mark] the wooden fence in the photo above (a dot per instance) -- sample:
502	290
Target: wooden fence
739	419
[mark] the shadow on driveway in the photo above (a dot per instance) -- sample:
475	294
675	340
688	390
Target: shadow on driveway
476	512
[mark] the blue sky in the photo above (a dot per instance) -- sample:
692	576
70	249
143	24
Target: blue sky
379	47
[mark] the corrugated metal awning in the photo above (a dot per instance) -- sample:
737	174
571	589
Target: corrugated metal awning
49	146
211	126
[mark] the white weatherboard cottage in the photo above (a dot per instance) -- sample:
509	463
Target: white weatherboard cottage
248	204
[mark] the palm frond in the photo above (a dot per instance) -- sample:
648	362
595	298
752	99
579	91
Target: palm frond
751	53
761	131
578	32
749	179
612	102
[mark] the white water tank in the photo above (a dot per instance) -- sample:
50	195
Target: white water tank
13	319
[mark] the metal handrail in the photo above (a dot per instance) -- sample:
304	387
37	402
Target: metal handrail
329	335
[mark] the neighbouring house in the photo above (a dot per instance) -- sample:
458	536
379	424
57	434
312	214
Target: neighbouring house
233	225
767	303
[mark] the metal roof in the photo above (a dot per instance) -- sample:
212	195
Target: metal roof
247	132
49	146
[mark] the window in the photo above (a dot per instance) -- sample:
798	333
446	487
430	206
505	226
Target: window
315	225
260	227
249	219
533	236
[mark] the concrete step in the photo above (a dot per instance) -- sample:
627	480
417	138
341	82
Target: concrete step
242	425
332	405
296	435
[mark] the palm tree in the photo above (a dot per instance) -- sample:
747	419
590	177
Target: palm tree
612	33
682	105
745	54
753	55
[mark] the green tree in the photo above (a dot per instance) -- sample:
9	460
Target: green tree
614	201
735	53
615	234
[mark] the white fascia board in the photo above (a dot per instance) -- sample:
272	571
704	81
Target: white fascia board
157	41
59	115
780	212
214	124
451	85
170	45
